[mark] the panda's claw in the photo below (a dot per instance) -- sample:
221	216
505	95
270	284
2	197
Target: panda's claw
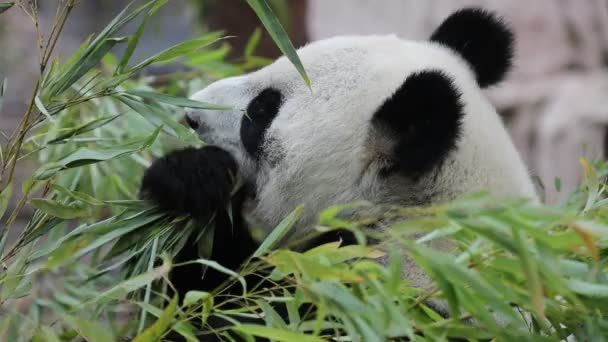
191	181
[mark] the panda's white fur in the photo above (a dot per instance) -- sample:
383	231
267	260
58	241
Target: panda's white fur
322	131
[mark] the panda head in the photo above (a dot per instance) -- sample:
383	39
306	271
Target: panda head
386	121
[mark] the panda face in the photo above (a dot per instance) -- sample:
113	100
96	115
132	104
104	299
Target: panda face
386	120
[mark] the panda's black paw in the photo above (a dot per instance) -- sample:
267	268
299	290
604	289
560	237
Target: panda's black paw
191	181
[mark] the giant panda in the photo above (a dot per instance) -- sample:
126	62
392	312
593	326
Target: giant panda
386	121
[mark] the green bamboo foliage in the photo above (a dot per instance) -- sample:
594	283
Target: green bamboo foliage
92	252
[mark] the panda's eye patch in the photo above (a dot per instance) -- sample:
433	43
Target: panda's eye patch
260	113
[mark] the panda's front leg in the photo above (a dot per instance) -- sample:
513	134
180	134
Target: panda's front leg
199	183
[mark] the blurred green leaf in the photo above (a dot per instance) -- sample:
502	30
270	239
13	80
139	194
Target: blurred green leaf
177	101
6	6
86	58
86	127
278	34
92	56
159	118
89	330
194	297
593	290
45	334
276	334
3	83
42	108
279	232
181	49
85	156
57	209
158	329
134	283
253	42
134	39
75	248
77	195
13	276
5	198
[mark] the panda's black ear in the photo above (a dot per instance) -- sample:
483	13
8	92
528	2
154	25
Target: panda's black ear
421	122
482	39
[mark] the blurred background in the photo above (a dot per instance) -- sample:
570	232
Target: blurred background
555	102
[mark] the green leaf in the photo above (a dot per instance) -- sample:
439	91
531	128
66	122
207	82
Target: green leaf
2	91
159	118
6	6
176	101
5	198
93	331
45	334
57	209
13	275
89	55
181	49
253	42
42	108
86	127
558	184
278	34
276	334
587	288
279	232
134	39
76	248
216	266
158	329
194	297
135	283
88	61
77	195
85	156
593	183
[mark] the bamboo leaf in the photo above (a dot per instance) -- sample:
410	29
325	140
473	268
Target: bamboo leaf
276	334
84	64
85	156
194	297
588	289
90	331
5	198
278	34
593	183
2	91
6	6
216	266
135	283
13	275
134	39
56	209
86	127
158	329
253	43
77	195
85	59
159	118
176	101
181	49
42	108
279	232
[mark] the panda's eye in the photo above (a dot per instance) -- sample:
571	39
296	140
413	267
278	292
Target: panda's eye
260	113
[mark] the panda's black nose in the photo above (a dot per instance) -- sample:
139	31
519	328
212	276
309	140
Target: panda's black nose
191	122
